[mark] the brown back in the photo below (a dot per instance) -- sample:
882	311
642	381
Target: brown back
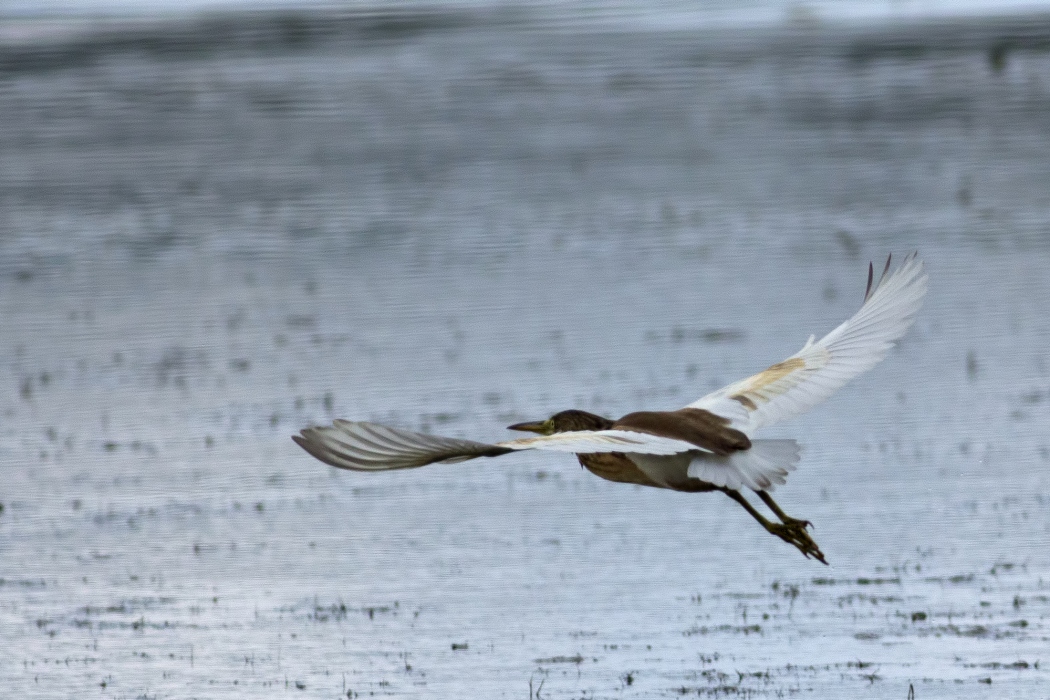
694	425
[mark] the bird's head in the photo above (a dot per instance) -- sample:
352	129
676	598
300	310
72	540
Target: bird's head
564	422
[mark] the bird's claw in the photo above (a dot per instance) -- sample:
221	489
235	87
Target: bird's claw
794	532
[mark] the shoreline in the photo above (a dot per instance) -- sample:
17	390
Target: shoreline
35	44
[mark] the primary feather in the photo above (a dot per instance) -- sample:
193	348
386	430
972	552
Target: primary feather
821	368
365	446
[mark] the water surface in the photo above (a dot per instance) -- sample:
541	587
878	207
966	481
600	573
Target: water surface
456	225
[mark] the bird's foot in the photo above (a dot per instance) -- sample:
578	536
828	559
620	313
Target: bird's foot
794	533
796	523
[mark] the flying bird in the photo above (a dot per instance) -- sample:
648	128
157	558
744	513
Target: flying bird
705	446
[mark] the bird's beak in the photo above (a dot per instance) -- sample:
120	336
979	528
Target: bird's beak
543	427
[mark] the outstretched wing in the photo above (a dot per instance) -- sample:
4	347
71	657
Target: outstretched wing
821	368
371	447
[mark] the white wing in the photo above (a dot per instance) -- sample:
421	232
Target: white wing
590	441
371	447
821	368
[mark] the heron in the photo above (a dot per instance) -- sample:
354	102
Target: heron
706	446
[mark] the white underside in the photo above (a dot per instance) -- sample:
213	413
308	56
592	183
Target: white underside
760	468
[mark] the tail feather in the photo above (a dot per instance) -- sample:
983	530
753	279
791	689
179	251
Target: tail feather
761	468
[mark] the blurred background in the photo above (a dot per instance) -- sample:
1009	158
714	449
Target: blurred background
220	223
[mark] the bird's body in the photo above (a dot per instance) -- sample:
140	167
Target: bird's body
611	466
705	446
705	430
615	466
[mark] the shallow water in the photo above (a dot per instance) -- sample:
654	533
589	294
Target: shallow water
463	226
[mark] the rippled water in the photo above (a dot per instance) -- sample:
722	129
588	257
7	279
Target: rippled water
455	225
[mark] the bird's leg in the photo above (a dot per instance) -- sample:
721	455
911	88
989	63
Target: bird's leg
792	531
784	517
